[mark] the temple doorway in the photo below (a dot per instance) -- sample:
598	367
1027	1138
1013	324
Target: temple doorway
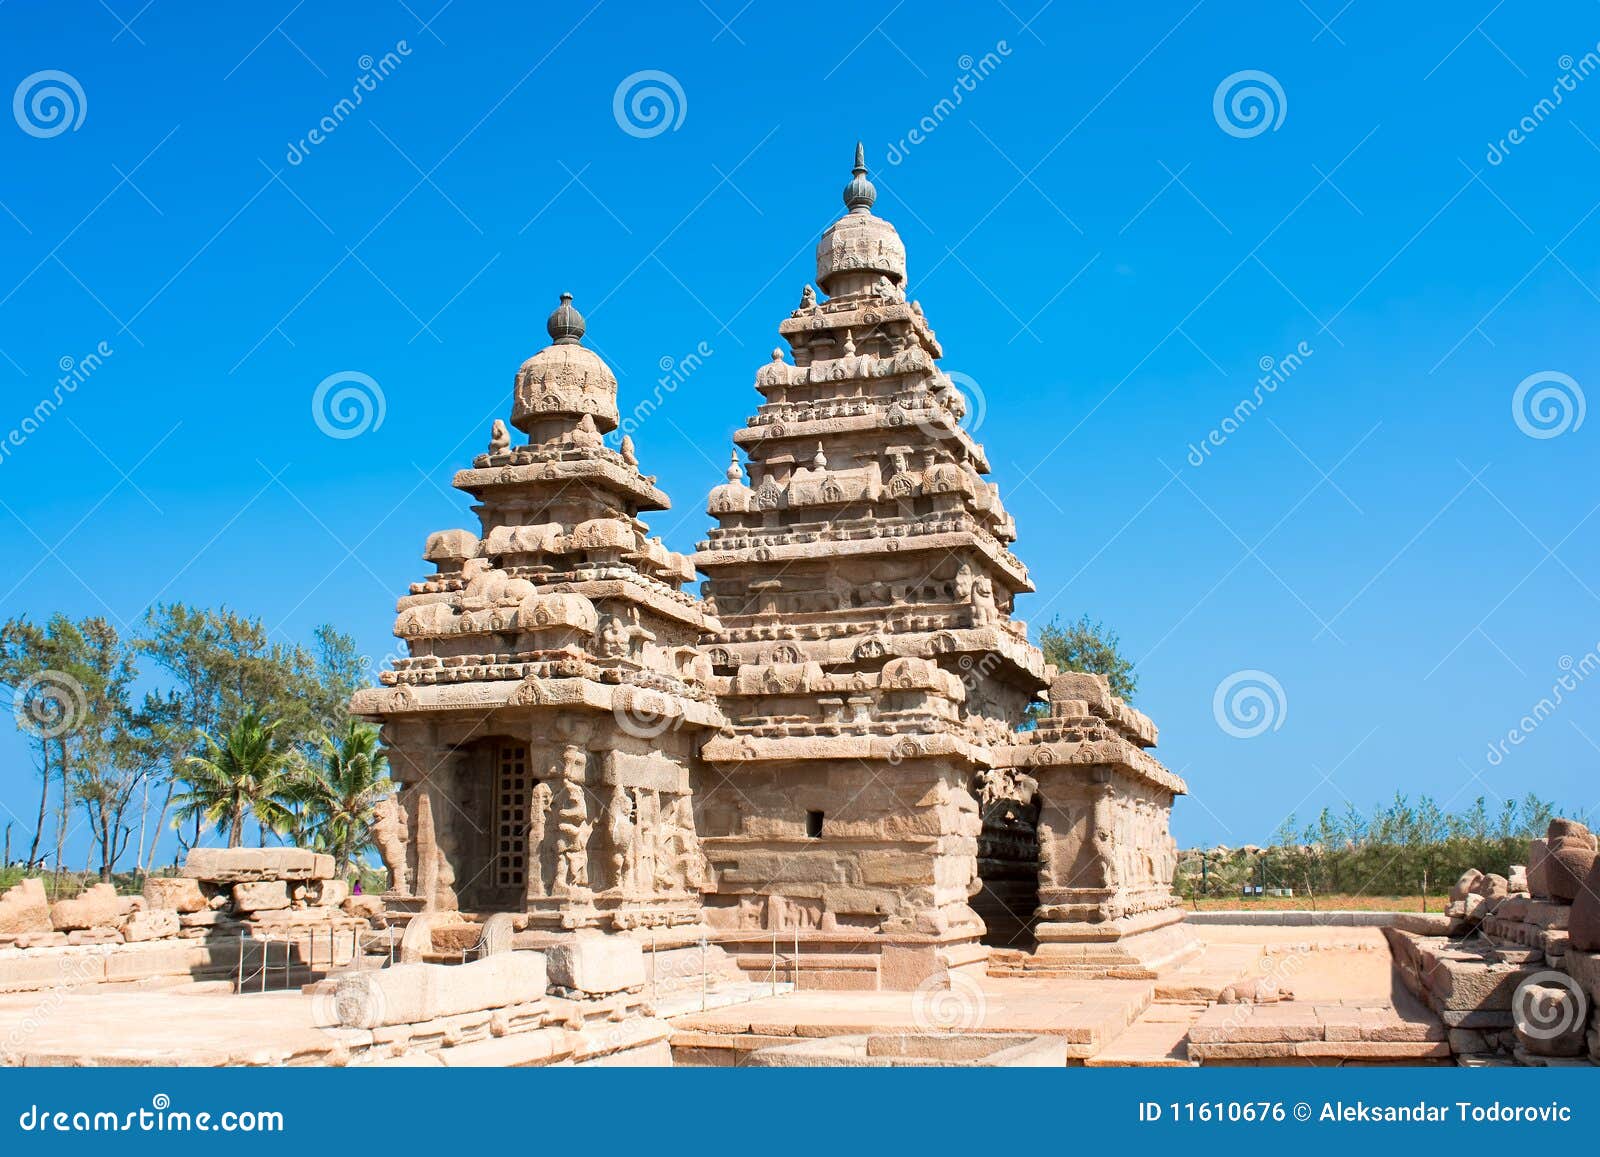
495	784
1008	870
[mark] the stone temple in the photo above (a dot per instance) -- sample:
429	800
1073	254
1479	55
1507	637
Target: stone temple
846	742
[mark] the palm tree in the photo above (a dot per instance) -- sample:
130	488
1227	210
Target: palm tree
343	797
245	772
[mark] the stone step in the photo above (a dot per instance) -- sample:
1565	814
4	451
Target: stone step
1147	1044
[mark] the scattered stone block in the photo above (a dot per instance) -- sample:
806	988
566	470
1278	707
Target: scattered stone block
1551	1020
596	965
99	907
364	907
1583	924
245	865
82	936
24	908
150	924
415	993
1465	885
1538	853
179	894
260	896
1492	886
328	893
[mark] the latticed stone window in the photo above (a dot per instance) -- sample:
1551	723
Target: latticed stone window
511	816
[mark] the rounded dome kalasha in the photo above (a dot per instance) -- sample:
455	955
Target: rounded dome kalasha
859	249
565	324
566	378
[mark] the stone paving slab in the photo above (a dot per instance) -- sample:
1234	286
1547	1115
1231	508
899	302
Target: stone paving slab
1085	1014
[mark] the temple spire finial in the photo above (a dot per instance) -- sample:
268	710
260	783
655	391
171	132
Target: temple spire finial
859	194
565	326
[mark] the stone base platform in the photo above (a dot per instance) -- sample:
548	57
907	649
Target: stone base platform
848	961
196	1026
879	1051
1348	1032
1134	953
1083	1015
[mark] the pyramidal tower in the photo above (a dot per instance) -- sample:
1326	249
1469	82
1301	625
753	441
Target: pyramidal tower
543	724
866	658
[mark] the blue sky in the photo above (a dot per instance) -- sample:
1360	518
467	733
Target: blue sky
1106	258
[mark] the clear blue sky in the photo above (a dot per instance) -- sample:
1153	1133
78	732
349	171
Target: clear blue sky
1105	261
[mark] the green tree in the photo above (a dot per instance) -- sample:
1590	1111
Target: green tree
246	773
343	795
1087	645
223	665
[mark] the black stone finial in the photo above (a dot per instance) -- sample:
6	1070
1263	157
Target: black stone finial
859	194
565	325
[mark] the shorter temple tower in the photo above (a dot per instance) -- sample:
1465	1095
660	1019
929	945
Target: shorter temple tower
1105	855
543	724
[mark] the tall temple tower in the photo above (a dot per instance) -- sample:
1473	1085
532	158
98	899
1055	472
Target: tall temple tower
866	659
543	725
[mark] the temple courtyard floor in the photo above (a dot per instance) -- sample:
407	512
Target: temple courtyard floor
1346	1009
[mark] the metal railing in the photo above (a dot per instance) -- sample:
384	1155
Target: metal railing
772	980
260	978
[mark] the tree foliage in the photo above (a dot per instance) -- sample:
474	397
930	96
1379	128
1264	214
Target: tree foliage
1403	848
1088	645
235	729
